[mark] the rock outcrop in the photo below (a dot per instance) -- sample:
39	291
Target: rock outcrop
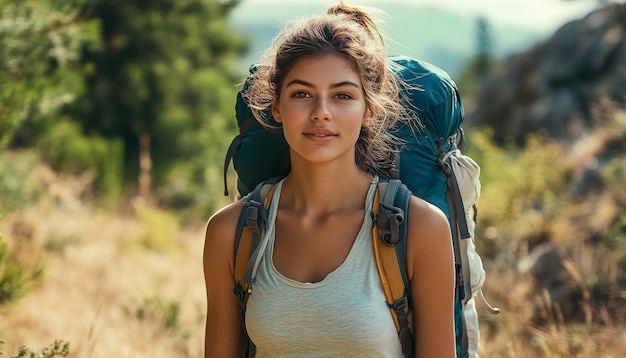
556	85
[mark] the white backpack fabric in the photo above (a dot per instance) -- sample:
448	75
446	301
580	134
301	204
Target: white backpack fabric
467	174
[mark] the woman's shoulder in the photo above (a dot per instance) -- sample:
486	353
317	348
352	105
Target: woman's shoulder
221	226
425	217
429	242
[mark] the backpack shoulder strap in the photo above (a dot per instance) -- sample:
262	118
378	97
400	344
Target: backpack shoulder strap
389	210
250	244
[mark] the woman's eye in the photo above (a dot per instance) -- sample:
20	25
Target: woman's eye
300	94
344	96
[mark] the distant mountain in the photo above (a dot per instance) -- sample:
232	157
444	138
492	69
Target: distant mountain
439	36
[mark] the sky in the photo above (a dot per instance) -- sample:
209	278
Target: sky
541	15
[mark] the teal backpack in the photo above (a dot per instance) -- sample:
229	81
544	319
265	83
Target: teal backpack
430	164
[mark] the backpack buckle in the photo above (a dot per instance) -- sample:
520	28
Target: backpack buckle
390	217
399	304
252	215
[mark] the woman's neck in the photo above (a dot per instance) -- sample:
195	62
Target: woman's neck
324	190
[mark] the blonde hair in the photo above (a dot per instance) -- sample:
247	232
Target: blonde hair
352	32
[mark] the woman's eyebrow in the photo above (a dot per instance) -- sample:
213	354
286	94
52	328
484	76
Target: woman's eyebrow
345	83
334	85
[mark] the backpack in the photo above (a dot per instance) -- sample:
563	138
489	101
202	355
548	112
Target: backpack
430	164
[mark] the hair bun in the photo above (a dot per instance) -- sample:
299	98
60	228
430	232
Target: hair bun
360	15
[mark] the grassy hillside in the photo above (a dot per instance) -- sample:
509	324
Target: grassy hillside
114	284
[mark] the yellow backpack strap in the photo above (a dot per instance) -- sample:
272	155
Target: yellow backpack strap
250	243
389	241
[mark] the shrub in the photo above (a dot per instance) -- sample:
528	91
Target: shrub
67	150
57	349
523	188
16	190
14	279
161	228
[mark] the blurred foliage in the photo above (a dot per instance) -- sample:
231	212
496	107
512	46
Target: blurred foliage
613	175
82	80
81	154
14	278
522	187
166	314
617	234
17	191
157	308
161	228
477	68
40	44
58	348
165	70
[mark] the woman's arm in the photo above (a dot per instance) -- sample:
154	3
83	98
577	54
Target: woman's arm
431	271
224	335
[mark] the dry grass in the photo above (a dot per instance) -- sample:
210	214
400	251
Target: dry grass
515	334
104	289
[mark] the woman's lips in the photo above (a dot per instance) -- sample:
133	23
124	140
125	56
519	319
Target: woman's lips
320	135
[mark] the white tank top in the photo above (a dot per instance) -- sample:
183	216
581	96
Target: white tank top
344	315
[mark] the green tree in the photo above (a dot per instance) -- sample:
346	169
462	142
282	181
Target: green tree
165	73
40	44
161	70
484	41
478	67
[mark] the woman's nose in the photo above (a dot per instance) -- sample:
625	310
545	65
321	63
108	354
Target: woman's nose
321	110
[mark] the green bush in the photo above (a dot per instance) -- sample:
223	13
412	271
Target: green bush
16	190
523	188
613	174
39	63
617	235
161	228
67	150
155	308
14	279
165	315
57	349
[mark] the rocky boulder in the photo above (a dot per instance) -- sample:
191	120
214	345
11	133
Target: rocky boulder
556	85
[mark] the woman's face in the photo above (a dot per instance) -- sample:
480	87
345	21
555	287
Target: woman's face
322	108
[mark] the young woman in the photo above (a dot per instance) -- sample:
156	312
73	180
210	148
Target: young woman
317	292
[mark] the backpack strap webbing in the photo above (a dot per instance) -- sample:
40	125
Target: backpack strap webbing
460	229
249	246
460	234
389	208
